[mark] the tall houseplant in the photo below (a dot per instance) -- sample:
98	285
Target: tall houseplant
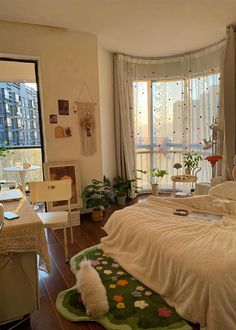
98	196
153	176
191	162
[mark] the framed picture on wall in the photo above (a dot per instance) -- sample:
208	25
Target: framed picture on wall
63	171
63	107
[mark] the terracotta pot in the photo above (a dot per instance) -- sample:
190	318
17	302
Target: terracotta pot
155	189
97	215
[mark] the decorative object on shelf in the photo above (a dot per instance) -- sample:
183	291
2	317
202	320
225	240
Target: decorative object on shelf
191	162
121	188
53	119
153	176
63	107
61	132
62	171
98	196
177	166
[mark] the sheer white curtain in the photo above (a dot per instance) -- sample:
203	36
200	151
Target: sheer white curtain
229	103
183	92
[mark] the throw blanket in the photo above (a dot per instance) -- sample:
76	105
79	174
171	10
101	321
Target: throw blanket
190	262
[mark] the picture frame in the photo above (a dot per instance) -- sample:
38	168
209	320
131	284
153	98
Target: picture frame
60	171
63	107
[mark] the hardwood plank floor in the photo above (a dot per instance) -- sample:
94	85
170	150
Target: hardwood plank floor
87	234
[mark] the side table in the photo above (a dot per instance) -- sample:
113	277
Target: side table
182	179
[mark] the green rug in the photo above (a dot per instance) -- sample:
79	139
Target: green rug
132	305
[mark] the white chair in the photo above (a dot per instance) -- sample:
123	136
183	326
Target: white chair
53	191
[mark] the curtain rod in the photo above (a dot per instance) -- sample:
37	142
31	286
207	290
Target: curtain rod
176	55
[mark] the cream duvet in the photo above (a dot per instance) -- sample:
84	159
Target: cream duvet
189	261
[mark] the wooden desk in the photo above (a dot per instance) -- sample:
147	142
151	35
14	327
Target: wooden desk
20	242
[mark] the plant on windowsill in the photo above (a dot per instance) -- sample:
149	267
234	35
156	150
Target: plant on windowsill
4	149
121	187
153	176
98	196
191	162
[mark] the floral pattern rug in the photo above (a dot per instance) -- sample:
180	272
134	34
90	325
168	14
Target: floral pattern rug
132	305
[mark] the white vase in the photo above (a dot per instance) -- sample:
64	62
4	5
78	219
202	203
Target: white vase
155	189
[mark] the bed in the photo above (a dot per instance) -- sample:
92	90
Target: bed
189	260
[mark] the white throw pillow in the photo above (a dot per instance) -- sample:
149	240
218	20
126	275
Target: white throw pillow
226	189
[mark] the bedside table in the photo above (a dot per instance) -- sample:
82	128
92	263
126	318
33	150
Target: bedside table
182	179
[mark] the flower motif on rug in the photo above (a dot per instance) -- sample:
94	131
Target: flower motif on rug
99	267
136	294
141	304
148	293
118	298
114	278
107	272
122	282
115	265
112	286
139	288
120	305
95	262
104	262
120	273
165	312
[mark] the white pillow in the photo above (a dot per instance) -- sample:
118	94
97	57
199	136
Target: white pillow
226	189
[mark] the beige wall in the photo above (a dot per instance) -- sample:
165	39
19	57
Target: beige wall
67	59
105	60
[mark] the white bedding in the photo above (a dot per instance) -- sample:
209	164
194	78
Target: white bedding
191	262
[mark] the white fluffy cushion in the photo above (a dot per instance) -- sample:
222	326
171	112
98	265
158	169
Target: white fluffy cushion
226	189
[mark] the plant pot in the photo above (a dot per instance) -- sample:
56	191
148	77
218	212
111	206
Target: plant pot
155	189
97	215
187	171
121	200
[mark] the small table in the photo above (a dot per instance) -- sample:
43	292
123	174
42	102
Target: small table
182	179
22	172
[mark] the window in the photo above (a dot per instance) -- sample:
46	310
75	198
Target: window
167	123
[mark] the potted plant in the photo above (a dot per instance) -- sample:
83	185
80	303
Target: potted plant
191	162
121	188
98	196
153	176
4	149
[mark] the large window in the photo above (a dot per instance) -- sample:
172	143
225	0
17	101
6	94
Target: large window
173	117
20	118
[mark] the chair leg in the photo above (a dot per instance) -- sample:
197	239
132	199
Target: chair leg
71	229
65	244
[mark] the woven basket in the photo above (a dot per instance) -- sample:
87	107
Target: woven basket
97	215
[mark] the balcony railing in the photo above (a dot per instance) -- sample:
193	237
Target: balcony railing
146	159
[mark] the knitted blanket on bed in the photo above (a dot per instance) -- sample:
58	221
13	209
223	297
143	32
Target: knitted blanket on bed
189	261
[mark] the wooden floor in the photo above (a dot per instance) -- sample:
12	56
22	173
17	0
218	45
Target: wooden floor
87	234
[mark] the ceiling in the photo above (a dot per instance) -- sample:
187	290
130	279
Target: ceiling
135	27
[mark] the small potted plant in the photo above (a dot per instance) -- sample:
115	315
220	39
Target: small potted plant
98	196
153	177
121	188
4	149
191	162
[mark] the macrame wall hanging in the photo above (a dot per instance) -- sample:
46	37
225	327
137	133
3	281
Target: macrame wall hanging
86	113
